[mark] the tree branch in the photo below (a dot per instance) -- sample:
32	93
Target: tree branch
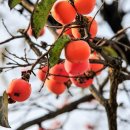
67	108
97	95
111	107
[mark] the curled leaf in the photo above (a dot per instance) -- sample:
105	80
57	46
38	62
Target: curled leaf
4	110
56	50
40	16
13	3
110	51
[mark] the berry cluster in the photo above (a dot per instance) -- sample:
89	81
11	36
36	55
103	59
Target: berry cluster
64	13
76	67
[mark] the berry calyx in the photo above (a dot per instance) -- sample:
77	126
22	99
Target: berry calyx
81	81
92	28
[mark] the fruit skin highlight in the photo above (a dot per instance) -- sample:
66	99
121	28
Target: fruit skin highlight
55	86
41	74
76	68
93	29
60	71
19	90
63	12
85	6
77	51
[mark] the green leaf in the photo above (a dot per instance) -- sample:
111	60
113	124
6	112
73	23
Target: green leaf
40	16
13	3
4	110
56	50
110	51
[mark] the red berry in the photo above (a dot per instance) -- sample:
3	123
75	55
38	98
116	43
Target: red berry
55	86
42	73
85	6
76	68
19	90
77	51
63	12
58	72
